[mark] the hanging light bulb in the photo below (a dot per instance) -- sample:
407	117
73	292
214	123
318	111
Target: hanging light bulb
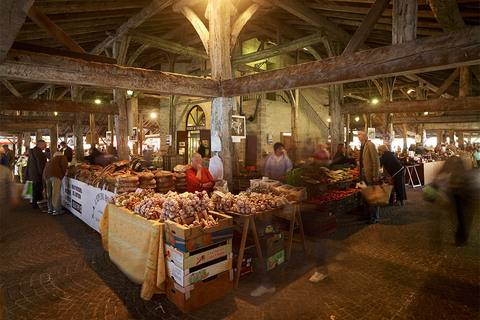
153	115
425	113
98	101
129	92
329	120
374	101
357	119
55	113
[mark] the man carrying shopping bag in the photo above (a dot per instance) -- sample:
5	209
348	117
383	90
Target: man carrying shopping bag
369	169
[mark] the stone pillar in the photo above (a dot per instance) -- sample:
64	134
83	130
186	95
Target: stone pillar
336	124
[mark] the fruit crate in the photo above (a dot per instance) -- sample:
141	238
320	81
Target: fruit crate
189	239
200	293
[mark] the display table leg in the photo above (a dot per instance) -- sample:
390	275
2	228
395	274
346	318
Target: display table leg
298	215
257	244
242	250
290	236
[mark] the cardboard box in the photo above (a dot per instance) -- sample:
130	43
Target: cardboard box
186	260
191	239
275	260
192	275
273	244
201	292
247	266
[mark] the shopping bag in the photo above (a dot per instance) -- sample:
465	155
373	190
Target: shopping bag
27	192
377	196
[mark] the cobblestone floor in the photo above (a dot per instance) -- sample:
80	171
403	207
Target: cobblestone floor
405	267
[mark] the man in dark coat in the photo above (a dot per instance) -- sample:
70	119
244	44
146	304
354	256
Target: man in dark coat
67	151
396	170
35	165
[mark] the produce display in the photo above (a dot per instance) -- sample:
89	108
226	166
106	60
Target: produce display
246	202
334	195
187	209
324	175
164	181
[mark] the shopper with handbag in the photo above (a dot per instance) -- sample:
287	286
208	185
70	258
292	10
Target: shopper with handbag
369	169
396	170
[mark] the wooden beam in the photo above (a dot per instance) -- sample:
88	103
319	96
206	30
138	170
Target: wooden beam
473	126
331	30
25	104
51	28
24	126
168	46
63	53
367	25
422	55
241	21
446	83
437	119
447	14
433	105
36	119
147	12
13	13
277	50
11	88
198	25
28	66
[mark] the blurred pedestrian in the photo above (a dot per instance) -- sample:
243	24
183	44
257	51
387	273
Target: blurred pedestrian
8	195
10	154
53	174
369	169
477	156
201	149
95	157
277	164
460	187
67	151
396	170
35	165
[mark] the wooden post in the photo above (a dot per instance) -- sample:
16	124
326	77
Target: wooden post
121	125
38	135
78	126
92	141
464	89
111	125
439	137
222	107
132	116
451	136
19	144
294	125
461	141
405	136
53	139
172	125
421	132
336	124
347	138
26	136
404	26
140	134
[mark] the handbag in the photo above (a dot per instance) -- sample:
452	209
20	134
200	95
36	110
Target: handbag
377	196
27	192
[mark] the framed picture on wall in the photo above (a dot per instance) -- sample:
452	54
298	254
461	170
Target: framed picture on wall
238	129
181	143
134	135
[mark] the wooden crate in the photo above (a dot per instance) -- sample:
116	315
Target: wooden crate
201	292
186	260
275	260
191	275
191	239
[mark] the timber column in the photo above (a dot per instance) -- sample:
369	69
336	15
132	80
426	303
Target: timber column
76	94
219	51
121	124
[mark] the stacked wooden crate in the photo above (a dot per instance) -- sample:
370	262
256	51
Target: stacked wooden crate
199	262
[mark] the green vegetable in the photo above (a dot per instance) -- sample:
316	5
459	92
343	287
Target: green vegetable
294	177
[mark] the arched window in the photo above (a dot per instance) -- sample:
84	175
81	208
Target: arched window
196	119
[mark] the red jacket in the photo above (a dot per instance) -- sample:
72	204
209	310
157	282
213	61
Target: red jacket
193	183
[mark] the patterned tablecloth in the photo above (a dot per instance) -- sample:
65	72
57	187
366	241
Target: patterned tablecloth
136	246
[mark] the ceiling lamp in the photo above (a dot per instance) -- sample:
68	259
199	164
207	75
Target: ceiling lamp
129	92
375	101
410	91
98	101
425	113
357	119
153	115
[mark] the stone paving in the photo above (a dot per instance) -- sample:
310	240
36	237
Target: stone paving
405	267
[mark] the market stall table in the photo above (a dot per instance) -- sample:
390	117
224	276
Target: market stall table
136	245
249	221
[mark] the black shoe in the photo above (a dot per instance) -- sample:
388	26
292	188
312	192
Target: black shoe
372	221
35	207
364	218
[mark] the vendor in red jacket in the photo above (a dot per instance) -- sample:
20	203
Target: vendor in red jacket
198	177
